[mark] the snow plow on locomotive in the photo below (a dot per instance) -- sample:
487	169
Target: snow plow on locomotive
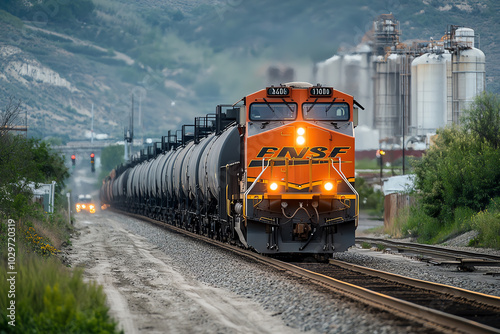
274	173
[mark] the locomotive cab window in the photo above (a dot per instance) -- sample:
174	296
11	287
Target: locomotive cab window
273	111
326	111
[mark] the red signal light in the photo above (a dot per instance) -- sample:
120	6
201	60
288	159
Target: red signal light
92	155
73	157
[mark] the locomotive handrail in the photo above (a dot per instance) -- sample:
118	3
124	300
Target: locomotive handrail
251	187
356	209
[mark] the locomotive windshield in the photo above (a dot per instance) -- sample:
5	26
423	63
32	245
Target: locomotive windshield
273	111
326	111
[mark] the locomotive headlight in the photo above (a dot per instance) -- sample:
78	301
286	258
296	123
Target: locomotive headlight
83	206
273	186
328	186
300	138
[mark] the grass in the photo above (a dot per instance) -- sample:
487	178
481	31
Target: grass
487	223
366	245
50	298
367	164
430	230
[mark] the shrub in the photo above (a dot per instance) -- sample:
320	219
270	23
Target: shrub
369	198
487	223
52	299
462	169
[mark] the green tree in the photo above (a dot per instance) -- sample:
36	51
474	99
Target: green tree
111	156
483	118
463	168
24	160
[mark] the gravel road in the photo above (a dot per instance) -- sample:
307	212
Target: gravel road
148	294
161	282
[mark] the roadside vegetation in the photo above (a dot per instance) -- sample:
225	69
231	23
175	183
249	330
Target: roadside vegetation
111	156
49	298
371	200
458	180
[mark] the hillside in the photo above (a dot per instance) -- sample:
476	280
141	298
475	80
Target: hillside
180	58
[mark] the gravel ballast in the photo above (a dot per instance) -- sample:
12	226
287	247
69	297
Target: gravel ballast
299	304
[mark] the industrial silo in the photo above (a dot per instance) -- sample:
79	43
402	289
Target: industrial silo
468	71
329	72
357	81
428	93
386	94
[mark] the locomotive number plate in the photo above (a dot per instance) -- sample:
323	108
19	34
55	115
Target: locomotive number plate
320	91
278	91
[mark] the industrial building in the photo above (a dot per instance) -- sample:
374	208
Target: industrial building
408	89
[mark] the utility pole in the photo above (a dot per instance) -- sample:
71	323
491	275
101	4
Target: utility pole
129	134
92	127
141	126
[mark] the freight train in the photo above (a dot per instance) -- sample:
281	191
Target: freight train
274	173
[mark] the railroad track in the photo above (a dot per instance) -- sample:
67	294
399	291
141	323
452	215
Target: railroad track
448	309
466	261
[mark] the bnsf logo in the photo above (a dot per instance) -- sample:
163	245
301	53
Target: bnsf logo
318	152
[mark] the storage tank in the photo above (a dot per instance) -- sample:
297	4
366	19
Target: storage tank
429	93
387	96
362	85
194	165
468	72
351	73
130	182
179	169
151	177
143	178
115	187
223	150
158	173
465	37
145	185
122	184
169	172
329	72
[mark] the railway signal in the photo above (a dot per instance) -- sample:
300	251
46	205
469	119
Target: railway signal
380	156
73	159
92	166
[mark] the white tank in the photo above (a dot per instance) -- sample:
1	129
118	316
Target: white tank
352	74
468	72
428	93
357	81
387	96
465	37
329	72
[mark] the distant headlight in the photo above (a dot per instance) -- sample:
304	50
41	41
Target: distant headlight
273	186
300	140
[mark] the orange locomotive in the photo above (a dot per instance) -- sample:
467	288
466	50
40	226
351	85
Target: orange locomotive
275	173
299	158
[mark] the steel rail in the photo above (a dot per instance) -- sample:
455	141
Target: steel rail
429	249
482	298
426	316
